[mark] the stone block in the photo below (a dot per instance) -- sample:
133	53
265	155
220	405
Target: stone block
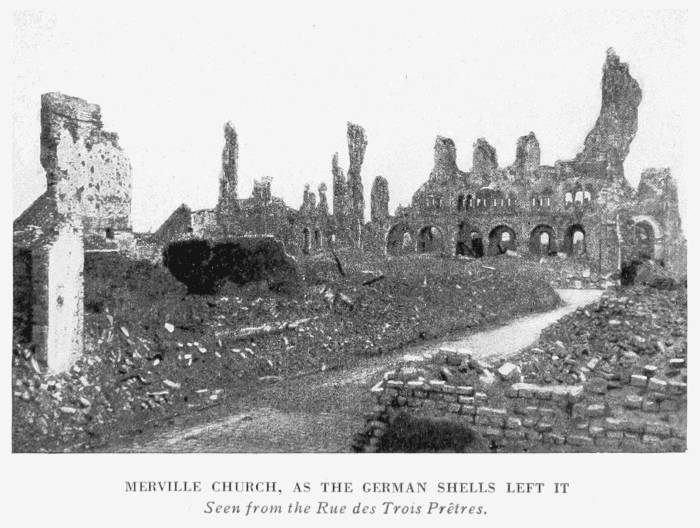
657	385
650	370
453	407
658	429
513	423
468	409
544	426
465	390
514	434
651	440
650	406
467	400
509	372
596	410
668	405
607	443
638	380
494	432
596	430
614	424
579	440
490	411
632	401
677	387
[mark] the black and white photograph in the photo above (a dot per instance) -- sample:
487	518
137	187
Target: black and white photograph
350	229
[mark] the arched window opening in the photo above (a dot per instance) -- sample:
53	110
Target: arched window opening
578	198
460	202
568	198
306	241
586	196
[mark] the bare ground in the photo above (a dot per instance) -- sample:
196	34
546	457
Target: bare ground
320	412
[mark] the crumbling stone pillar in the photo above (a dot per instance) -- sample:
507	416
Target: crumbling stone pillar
616	125
87	172
445	156
357	144
379	200
484	159
228	182
57	296
527	154
322	200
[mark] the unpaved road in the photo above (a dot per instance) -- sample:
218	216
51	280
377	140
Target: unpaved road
320	412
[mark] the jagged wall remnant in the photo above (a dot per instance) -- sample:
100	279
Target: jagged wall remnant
445	159
484	159
87	173
527	154
357	144
379	200
262	189
322	199
616	125
228	182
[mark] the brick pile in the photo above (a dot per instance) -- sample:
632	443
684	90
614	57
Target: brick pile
618	395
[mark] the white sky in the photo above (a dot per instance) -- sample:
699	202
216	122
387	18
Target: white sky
289	78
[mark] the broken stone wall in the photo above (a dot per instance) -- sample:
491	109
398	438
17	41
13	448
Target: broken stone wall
228	181
616	126
86	170
177	225
357	144
379	204
49	272
506	415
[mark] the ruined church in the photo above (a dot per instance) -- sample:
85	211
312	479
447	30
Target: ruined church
583	209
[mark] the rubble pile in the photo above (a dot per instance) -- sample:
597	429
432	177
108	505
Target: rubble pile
609	377
153	352
619	336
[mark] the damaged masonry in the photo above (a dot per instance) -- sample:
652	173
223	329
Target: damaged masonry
578	223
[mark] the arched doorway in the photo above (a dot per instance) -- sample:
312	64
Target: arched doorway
430	239
399	240
318	238
575	240
542	240
501	239
468	241
306	241
647	238
477	244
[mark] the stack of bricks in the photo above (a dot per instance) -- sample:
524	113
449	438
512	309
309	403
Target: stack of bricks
516	417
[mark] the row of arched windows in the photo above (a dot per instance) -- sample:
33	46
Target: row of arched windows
471	202
577	198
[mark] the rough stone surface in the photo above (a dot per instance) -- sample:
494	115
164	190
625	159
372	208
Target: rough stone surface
379	200
228	182
616	125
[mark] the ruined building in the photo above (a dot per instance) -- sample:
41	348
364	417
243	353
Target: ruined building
582	208
86	206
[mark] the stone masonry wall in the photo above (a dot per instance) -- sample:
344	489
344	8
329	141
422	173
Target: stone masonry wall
634	413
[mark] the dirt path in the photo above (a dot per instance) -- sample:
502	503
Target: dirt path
321	412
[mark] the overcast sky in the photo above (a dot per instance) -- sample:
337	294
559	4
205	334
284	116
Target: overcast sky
289	78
